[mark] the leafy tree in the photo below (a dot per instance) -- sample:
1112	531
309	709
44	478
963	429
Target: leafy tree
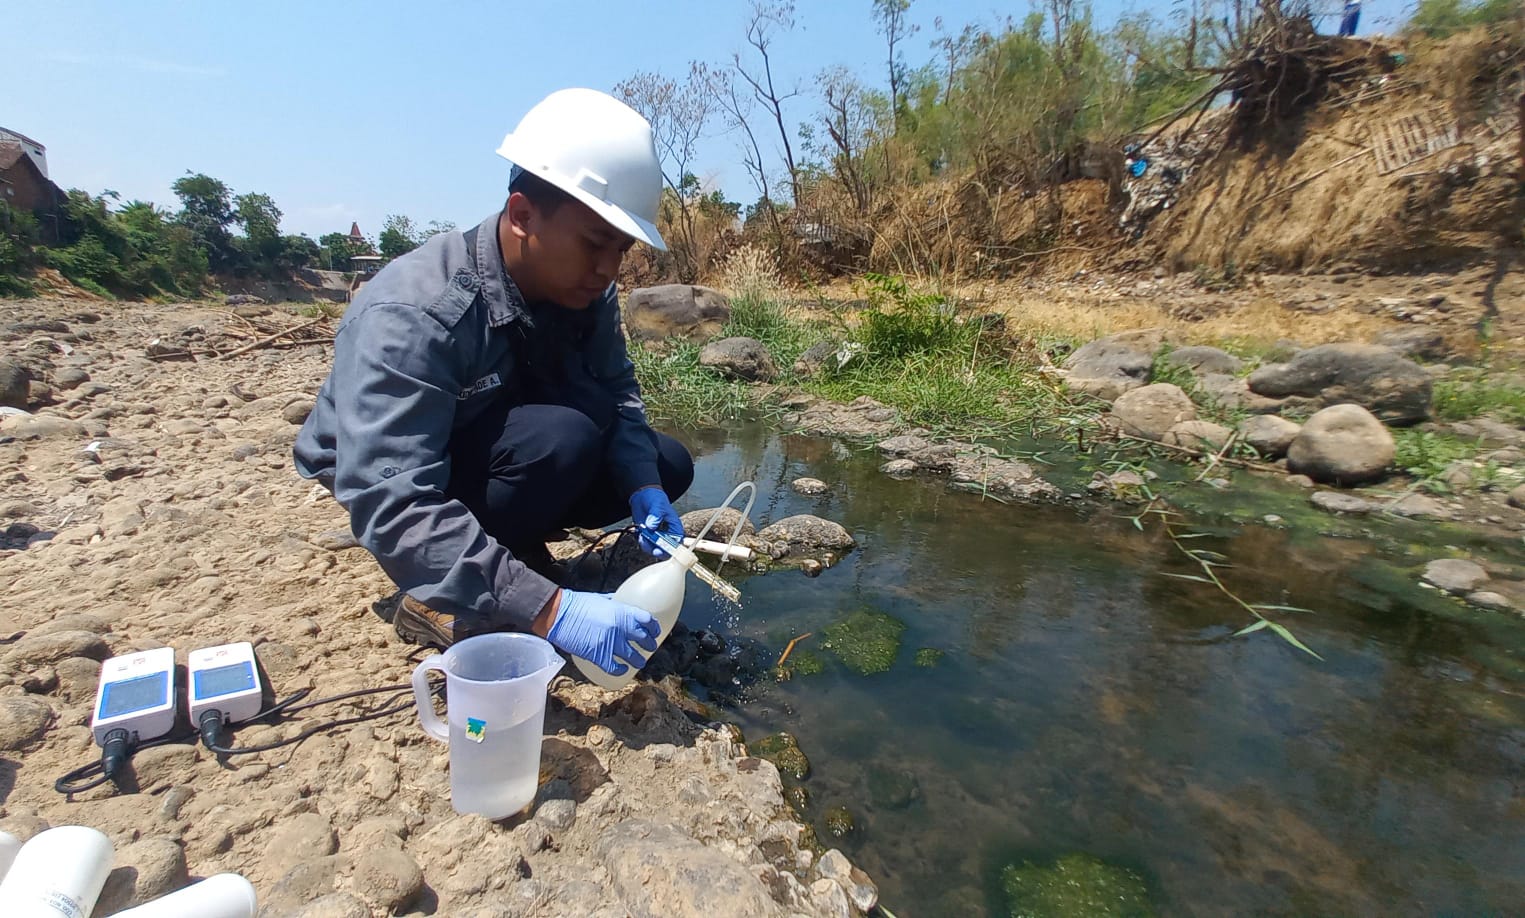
336	249
1439	18
206	210
261	221
398	236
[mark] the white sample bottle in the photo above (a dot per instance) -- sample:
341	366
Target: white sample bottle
226	895
57	874
658	589
9	845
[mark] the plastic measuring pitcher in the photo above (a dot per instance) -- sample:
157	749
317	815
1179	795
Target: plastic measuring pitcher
495	687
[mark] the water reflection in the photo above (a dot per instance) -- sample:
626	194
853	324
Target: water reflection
1089	703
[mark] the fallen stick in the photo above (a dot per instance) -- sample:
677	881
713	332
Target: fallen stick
1228	460
266	341
1214	460
790	649
1300	183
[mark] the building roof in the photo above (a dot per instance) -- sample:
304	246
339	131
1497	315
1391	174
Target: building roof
10	153
20	136
354	231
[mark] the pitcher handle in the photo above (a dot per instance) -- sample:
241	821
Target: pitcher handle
431	721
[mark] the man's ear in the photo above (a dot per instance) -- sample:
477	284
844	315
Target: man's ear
522	215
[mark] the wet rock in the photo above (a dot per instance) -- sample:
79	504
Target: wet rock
47	649
840	822
658	870
1418	506
1199	435
725	525
1108	367
142	872
926	454
1455	575
1201	360
1517	497
297	412
1377	378
1122	485
739	358
1335	502
816	358
899	468
809	486
23	721
42	427
675	311
861	891
807	535
783	750
14	379
387	878
306	836
1150	411
1269	435
1344	445
1423	343
866	641
892	788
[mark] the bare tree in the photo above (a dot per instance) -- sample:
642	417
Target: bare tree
735	105
678	113
767	18
893	24
852	123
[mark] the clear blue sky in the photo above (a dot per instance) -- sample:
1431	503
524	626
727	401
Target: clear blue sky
346	111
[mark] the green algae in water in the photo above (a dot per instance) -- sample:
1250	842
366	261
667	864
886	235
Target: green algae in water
928	657
783	750
800	663
1075	886
866	641
840	822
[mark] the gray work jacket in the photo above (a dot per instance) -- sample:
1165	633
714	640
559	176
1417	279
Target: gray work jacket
428	344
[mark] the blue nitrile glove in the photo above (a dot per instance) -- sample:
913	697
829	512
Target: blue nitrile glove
653	515
598	629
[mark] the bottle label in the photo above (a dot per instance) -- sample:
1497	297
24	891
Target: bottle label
63	905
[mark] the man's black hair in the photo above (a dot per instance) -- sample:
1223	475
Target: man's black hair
545	196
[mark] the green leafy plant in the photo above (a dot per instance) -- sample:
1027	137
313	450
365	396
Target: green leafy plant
1427	456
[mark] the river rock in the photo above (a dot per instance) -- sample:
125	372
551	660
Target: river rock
47	649
806	535
245	299
1455	575
70	378
1199	435
14	390
41	427
304	837
809	486
1424	343
1419	506
926	454
816	358
657	870
860	890
1344	445
1335	502
1201	360
1150	411
557	815
900	468
675	310
1377	378
23	721
729	518
1517	497
387	878
1269	435
1233	392
1108	367
739	358
1489	432
1487	599
333	905
297	412
829	900
142	872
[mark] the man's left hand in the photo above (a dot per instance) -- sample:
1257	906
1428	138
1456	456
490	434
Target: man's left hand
653	515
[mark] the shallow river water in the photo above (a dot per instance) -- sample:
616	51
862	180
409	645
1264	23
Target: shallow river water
1087	704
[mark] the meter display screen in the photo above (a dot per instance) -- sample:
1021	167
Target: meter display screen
224	680
129	695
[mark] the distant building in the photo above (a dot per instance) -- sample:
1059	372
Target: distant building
23	184
357	238
34	150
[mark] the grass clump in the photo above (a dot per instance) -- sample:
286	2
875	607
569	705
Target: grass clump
1075	885
1427	456
866	641
1461	396
676	389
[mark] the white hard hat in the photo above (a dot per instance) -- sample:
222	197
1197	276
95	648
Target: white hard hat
597	149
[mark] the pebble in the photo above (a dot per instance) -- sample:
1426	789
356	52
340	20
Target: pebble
23	721
557	815
297	412
600	735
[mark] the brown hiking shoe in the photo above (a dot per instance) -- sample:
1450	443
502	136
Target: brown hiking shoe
416	623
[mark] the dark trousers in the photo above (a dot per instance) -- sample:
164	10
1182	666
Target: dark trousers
528	470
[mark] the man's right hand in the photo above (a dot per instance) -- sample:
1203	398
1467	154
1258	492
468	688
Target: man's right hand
602	631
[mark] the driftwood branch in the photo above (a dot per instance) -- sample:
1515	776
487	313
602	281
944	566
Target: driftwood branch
270	340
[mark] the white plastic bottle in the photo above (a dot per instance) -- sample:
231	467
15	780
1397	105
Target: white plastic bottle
9	845
659	590
57	874
226	895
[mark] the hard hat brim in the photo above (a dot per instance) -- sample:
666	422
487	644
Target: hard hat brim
617	217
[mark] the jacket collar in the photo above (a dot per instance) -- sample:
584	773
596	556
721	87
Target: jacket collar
505	303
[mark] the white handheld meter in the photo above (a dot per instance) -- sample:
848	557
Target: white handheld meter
136	694
223	679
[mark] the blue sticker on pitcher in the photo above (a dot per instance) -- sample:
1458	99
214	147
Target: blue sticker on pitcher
476	730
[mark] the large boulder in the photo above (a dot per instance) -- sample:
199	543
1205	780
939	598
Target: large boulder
1424	343
1378	378
1108	367
676	311
1152	410
1201	360
739	358
1343	445
804	536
